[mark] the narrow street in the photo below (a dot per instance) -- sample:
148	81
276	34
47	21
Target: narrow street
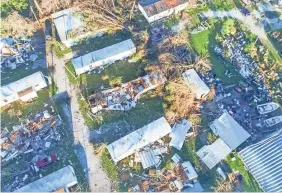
98	180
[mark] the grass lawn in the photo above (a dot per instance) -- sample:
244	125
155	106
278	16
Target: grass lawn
249	182
203	43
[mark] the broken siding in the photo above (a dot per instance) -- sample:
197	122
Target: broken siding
229	130
264	161
196	83
103	56
138	139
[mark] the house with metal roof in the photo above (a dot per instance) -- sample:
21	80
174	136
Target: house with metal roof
196	84
264	161
213	154
229	130
61	179
24	89
107	55
154	10
138	139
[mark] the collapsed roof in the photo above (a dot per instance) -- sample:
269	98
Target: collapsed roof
138	139
264	161
229	130
178	133
62	178
196	84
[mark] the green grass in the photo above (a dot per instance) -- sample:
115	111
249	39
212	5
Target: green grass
249	182
200	42
109	166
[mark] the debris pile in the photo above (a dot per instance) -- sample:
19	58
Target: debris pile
15	52
35	135
124	97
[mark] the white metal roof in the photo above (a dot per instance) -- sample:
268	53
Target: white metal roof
178	133
189	170
150	157
229	130
22	84
195	83
52	182
214	153
65	21
132	142
264	161
102	54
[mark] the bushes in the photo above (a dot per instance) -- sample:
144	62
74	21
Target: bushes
59	48
115	81
228	27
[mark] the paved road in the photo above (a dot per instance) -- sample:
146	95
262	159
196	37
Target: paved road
98	180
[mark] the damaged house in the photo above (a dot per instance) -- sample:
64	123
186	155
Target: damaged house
104	56
154	10
196	84
59	181
124	97
231	135
70	27
138	139
24	89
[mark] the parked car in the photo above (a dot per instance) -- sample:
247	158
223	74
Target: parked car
245	11
47	160
238	89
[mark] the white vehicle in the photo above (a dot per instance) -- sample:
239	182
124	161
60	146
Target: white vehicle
273	121
267	107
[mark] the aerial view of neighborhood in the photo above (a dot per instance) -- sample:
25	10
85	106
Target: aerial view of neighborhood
141	95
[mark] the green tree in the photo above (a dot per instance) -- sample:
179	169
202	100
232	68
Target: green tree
7	6
116	81
228	27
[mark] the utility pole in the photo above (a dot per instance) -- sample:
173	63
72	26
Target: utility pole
38	7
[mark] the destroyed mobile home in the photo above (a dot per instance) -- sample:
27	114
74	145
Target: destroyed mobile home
15	52
37	133
104	56
24	89
182	177
125	97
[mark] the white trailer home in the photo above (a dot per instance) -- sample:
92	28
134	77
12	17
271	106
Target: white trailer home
107	55
23	89
154	10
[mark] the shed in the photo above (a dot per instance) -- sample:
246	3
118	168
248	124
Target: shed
154	10
229	130
66	21
62	178
264	161
138	139
214	153
196	84
189	170
107	55
23	89
178	133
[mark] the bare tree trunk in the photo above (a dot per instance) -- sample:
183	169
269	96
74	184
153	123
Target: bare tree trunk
38	7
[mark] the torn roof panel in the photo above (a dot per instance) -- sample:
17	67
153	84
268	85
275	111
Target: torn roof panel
154	7
178	134
138	139
61	178
214	153
229	130
150	158
264	161
196	84
65	21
